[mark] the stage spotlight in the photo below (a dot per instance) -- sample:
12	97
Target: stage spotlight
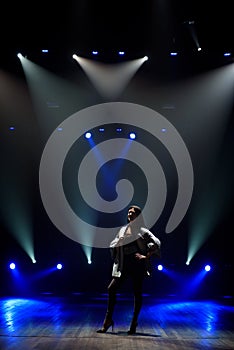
19	55
199	49
121	53
11	128
119	129
226	54
95	52
44	50
88	135
59	266
101	129
132	136
173	53
146	58
160	267
34	261
12	266
89	261
207	268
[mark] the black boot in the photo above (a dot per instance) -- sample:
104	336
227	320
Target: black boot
108	322
133	326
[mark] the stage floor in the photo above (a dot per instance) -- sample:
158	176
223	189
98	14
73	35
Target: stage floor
68	323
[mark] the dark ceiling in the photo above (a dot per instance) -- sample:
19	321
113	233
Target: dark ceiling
142	27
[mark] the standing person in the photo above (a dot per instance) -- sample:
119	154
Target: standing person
131	251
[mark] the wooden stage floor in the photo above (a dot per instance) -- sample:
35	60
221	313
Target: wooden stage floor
50	322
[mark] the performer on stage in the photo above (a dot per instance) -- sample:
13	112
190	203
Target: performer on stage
131	250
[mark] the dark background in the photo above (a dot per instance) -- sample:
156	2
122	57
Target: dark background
140	28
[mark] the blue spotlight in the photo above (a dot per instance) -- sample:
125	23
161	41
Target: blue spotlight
101	129
88	135
207	268
12	266
132	135
11	128
173	53
160	267
59	266
118	129
95	52
121	53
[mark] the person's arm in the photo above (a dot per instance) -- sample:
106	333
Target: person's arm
153	244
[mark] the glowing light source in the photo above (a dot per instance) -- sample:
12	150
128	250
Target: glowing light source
121	53
132	135
160	267
173	53
95	52
19	55
88	135
207	268
59	266
12	266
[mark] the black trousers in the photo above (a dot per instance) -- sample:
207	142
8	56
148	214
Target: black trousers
132	269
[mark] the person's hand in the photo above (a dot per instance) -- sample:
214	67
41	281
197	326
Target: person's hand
139	256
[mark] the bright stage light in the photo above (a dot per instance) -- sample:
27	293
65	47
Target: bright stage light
121	53
95	52
207	268
160	267
89	261
34	261
132	136
12	266
59	266
19	55
88	135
